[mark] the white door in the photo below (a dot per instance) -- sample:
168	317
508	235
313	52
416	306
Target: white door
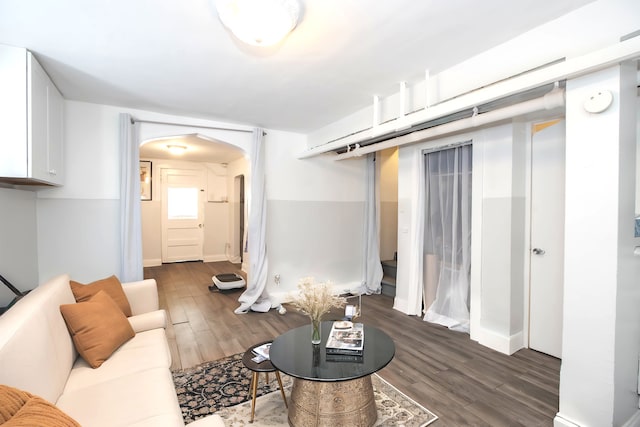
182	215
547	238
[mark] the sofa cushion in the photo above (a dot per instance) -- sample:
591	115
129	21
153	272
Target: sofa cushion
21	409
145	398
111	285
147	350
97	326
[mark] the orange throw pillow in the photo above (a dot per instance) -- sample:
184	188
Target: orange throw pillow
21	409
111	285
98	327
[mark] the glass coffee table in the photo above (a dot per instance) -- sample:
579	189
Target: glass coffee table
328	392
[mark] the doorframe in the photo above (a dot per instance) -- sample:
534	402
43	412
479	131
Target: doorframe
527	235
239	218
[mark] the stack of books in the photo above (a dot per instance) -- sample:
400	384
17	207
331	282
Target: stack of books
345	342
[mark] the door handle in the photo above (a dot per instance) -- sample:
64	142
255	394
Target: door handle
200	225
537	251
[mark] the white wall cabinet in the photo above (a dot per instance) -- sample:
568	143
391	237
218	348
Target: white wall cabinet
217	183
31	121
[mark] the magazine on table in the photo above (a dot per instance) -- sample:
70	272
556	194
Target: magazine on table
262	350
346	338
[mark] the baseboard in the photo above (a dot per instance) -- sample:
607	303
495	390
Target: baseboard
634	421
151	262
207	258
215	258
279	297
559	421
503	344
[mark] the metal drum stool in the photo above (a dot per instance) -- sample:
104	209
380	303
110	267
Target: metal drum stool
256	369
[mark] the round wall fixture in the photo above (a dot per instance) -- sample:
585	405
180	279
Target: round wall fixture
598	101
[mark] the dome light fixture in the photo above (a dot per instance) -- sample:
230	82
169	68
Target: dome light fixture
176	149
259	22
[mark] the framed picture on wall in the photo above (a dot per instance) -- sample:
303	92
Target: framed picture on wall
145	180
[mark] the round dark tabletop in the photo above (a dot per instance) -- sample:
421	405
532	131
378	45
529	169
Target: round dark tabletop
265	366
293	354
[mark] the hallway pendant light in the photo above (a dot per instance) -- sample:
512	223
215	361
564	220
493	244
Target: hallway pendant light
259	22
176	149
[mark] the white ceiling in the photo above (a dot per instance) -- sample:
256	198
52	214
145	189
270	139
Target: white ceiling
176	57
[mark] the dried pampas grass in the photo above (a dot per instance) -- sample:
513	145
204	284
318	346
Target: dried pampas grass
316	299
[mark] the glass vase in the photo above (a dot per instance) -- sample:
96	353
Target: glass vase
316	332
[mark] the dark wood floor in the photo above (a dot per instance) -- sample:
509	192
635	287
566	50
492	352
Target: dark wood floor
462	382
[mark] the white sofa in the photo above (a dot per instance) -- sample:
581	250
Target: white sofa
133	387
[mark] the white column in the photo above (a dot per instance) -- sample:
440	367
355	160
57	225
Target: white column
601	325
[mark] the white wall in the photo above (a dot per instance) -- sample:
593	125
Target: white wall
18	241
216	231
315	209
503	231
78	224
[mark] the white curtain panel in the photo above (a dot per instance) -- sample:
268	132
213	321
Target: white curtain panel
130	221
415	255
447	237
255	297
372	268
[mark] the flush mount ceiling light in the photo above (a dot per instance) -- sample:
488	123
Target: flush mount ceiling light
259	22
176	149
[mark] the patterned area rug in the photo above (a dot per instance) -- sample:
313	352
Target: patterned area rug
222	386
207	388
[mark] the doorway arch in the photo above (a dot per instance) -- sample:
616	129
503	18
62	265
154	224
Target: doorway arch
217	162
131	248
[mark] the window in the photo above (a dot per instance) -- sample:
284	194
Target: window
182	203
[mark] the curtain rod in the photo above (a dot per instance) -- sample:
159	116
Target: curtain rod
188	125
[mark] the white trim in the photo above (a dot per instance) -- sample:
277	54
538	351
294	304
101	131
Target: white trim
215	258
153	262
501	343
558	421
526	280
634	421
475	280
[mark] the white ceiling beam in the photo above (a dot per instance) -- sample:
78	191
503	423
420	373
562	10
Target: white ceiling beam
571	68
550	101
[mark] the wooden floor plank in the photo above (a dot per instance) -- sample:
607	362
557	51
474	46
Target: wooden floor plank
461	381
187	345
